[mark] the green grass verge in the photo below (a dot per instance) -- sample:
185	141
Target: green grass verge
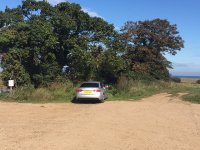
131	90
193	96
56	93
141	89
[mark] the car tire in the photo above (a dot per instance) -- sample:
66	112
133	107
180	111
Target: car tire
75	100
102	100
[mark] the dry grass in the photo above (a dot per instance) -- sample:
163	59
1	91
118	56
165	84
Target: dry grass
126	89
189	80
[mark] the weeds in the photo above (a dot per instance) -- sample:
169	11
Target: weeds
198	81
57	92
125	89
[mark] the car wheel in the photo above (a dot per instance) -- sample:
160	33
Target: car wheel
75	100
102	100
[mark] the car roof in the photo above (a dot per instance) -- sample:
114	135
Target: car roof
91	82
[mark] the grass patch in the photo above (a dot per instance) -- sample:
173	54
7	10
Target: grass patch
57	92
135	90
125	89
193	95
194	98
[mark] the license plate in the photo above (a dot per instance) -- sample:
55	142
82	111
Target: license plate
87	91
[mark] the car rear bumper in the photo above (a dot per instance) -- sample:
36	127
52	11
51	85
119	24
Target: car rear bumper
82	96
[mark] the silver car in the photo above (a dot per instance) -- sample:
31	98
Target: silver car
91	90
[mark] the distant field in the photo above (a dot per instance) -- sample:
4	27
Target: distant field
189	80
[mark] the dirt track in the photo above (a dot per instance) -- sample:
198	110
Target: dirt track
156	123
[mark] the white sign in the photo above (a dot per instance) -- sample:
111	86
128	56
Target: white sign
11	83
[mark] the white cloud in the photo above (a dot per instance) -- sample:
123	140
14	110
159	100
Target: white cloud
54	2
91	13
117	28
185	69
180	65
86	10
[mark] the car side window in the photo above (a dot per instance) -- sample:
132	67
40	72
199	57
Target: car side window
101	85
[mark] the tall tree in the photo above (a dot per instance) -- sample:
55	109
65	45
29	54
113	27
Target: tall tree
145	44
45	38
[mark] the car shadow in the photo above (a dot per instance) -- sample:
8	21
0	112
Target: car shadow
85	101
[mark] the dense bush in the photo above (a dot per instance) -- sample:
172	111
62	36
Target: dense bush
19	94
175	79
56	92
198	81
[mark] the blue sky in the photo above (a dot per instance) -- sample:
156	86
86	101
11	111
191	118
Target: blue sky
184	13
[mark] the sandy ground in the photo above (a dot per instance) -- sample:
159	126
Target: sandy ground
159	122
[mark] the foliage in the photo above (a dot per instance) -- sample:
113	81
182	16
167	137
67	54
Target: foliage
43	38
37	40
198	81
19	94
194	98
126	89
193	94
175	79
145	42
56	92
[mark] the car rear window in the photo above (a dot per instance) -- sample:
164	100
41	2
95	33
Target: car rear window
90	85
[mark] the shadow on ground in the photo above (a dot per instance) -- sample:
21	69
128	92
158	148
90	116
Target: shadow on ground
85	101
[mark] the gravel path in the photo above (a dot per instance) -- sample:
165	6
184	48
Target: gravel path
159	122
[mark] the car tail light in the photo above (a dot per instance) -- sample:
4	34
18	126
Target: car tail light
98	90
79	90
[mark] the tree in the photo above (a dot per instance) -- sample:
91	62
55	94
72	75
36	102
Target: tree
37	40
13	68
146	42
49	37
